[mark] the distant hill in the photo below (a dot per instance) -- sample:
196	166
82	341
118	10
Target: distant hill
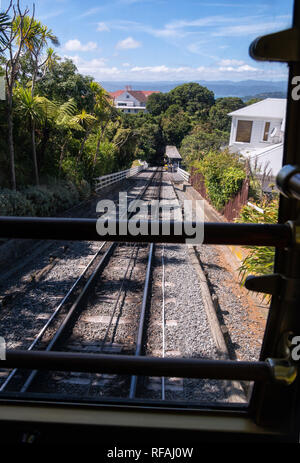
220	88
262	96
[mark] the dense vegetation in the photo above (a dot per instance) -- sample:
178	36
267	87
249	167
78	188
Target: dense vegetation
59	129
260	259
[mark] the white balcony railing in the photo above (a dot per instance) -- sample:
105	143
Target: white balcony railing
107	180
184	174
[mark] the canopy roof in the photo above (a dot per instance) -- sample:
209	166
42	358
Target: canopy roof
172	152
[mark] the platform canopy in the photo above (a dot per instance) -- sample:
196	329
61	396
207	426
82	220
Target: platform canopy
172	152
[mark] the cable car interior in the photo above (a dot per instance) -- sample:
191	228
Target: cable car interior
273	411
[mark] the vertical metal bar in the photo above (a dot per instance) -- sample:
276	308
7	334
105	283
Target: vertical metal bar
163	319
273	404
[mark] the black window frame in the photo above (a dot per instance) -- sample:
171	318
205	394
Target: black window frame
273	412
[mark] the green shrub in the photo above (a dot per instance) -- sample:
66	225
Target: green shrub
223	174
84	189
15	203
63	197
42	199
73	190
260	259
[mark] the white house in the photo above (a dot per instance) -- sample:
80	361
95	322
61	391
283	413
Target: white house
257	132
131	101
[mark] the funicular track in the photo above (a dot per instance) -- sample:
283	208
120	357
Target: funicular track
106	315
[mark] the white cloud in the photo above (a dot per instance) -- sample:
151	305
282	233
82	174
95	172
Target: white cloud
231	62
252	27
76	45
243	68
96	67
103	27
127	44
100	70
91	11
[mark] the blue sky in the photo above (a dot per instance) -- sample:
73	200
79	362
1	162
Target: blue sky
151	40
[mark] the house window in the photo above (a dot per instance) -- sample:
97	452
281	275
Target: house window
243	131
266	131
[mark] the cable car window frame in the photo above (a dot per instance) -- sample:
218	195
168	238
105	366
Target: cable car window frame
273	411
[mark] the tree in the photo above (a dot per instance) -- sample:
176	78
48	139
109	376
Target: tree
192	98
104	111
86	121
34	43
150	144
218	114
33	109
63	82
200	141
175	125
157	103
16	38
5	26
65	120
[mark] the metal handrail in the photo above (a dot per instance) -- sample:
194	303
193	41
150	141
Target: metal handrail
139	365
184	174
277	235
288	181
109	179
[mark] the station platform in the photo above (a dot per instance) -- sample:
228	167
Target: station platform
175	177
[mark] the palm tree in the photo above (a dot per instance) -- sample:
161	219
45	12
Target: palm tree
5	24
104	112
35	109
35	43
65	121
14	37
86	121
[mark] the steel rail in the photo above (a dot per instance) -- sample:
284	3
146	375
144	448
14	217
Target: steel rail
139	345
72	312
121	287
138	365
134	246
55	313
277	235
80	299
141	329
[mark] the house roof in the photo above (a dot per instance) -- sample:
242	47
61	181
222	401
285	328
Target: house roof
172	152
140	95
116	93
270	108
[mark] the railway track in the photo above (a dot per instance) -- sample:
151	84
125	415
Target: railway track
132	299
30	297
101	331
